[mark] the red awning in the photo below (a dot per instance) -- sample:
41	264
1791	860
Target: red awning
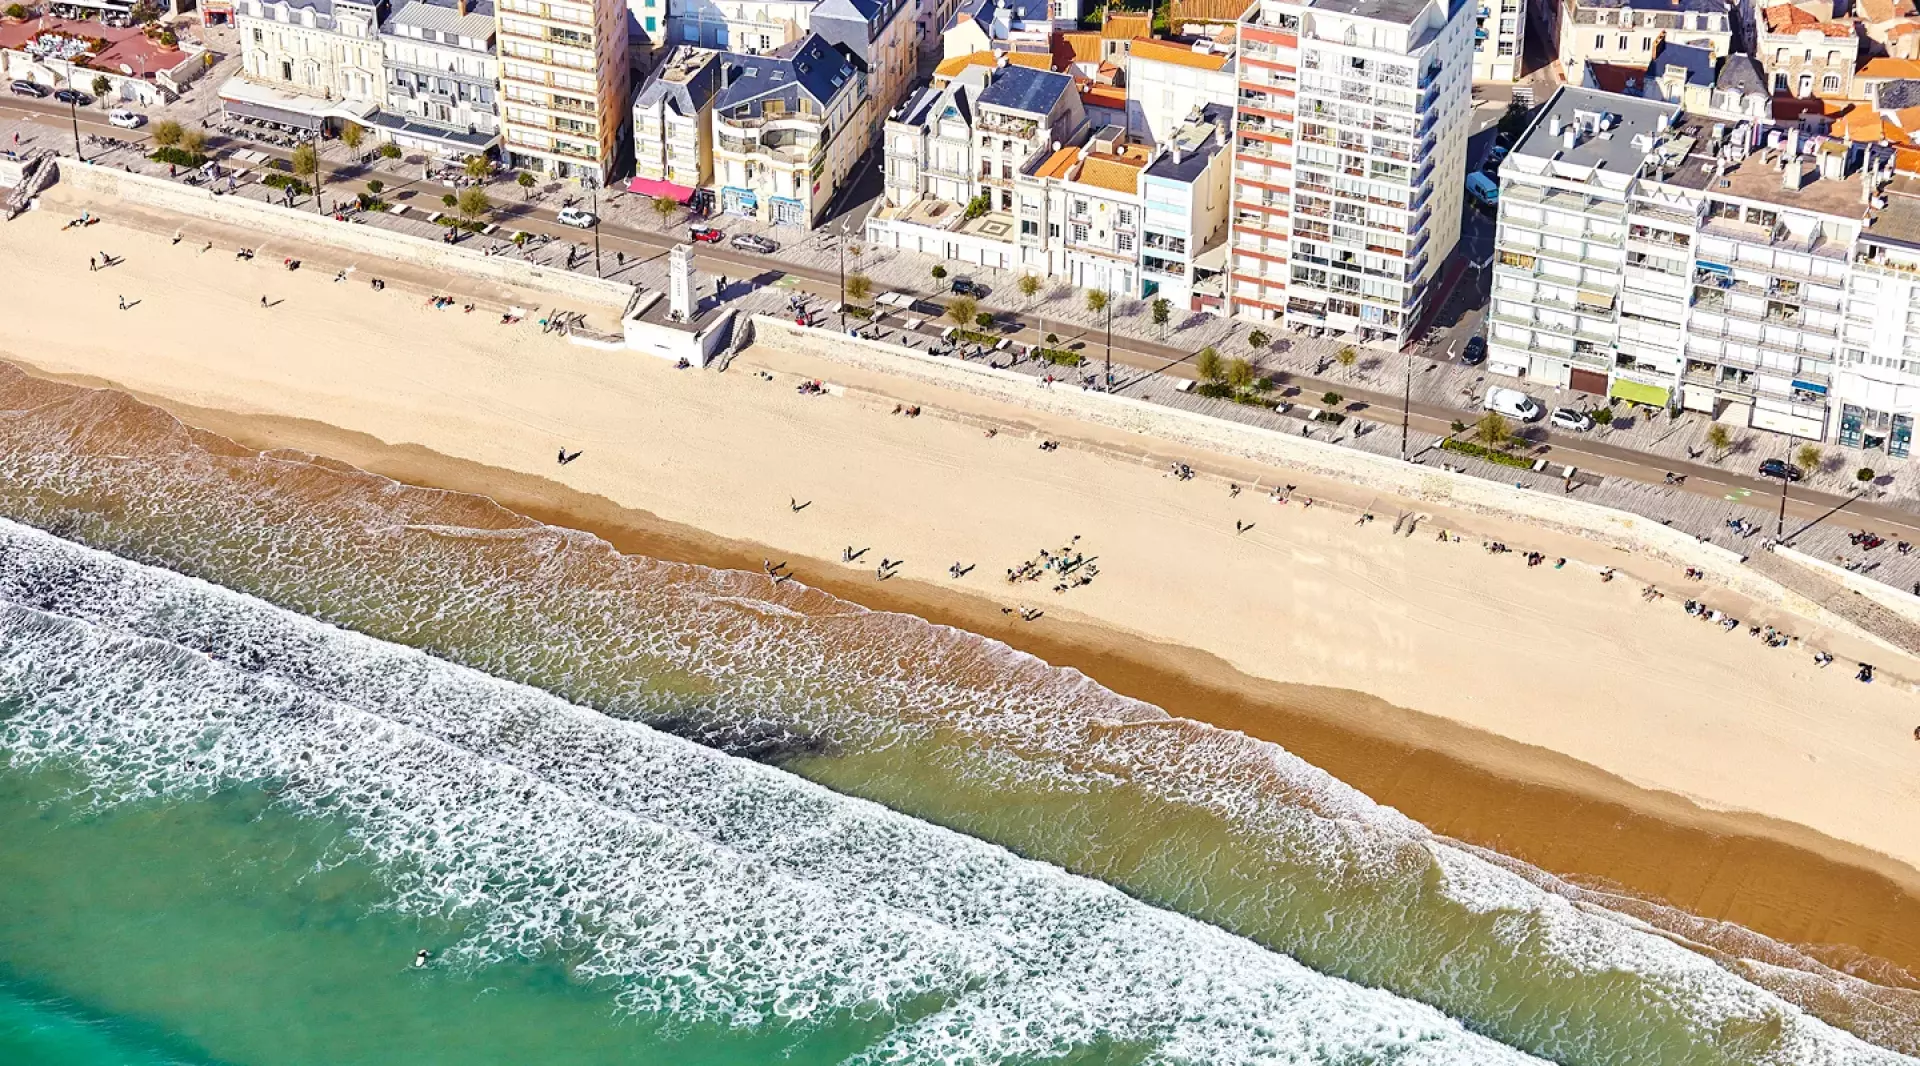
656	187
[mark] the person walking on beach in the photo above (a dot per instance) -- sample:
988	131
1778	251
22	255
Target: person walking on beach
263	301
93	264
123	303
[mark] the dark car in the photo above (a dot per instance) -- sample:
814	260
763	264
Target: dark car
1780	468
968	287
705	234
753	242
73	96
27	88
1476	351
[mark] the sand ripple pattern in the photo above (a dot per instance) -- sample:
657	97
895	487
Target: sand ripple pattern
700	886
937	723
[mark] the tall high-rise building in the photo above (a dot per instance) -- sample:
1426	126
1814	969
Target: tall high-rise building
1499	39
1350	145
563	84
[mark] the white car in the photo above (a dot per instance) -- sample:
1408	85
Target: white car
1513	403
126	120
573	216
1568	418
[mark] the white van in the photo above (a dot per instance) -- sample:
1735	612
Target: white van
1513	403
1483	190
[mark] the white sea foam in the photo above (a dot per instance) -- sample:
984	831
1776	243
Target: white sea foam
705	887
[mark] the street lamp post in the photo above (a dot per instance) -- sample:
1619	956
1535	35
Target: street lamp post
1106	384
593	186
840	246
1780	523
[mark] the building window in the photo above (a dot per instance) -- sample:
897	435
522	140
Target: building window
1599	42
1806	85
1646	43
1623	42
1079	233
1830	83
1123	242
1779	83
1053	230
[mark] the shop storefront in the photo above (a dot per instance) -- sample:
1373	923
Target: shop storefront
1862	427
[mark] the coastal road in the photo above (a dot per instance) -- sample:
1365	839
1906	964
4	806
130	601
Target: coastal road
1381	405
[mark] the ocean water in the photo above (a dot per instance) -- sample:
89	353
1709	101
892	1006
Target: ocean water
303	722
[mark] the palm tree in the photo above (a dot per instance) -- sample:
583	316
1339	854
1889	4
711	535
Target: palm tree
963	309
665	206
858	286
479	167
1029	286
306	166
1097	300
1719	438
1493	431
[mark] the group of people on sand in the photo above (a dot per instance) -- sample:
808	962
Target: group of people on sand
1070	567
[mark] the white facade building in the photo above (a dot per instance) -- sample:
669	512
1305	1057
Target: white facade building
1183	238
1167	81
442	77
784	136
325	48
564	85
1499	39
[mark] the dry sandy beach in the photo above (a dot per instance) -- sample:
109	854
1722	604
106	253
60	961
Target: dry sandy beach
1540	712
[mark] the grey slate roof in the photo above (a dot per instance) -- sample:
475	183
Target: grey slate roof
980	10
1025	89
443	17
1632	116
685	97
1697	61
1705	7
1897	95
929	104
1195	156
809	68
1742	74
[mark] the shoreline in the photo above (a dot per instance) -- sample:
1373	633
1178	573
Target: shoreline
1548	810
1315	610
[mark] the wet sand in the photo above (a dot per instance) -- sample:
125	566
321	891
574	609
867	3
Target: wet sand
1574	817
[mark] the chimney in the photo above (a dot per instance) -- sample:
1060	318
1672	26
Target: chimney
1794	178
460	6
1553	126
1570	138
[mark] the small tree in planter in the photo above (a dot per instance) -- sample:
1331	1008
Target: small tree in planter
474	204
664	206
526	181
1258	339
374	187
1808	457
1346	357
858	286
962	310
389	150
1097	300
194	143
939	272
1719	439
101	86
167	134
1494	431
984	320
1331	399
450	200
1162	314
1240	373
353	135
1864	474
1208	364
16	12
1603	416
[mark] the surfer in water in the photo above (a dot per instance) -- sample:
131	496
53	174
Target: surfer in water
420	958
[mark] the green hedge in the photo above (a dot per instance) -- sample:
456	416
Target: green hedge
1058	356
179	157
1489	454
281	181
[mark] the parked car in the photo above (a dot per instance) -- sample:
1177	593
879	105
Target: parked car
126	120
705	234
1513	403
968	287
1570	419
753	242
1483	191
27	88
1494	155
1476	351
1781	469
574	216
72	96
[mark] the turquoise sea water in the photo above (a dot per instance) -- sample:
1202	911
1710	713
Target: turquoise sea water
653	813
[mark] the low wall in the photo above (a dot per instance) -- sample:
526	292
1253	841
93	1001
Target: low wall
1307	455
1904	604
271	219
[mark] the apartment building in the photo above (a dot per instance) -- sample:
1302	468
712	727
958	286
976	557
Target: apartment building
673	125
1878	392
1805	55
1092	209
1018	116
880	37
564	85
1499	40
1350	143
1183	232
320	48
748	27
784	137
1762	277
928	145
1560	247
1627	33
442	77
1168	80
